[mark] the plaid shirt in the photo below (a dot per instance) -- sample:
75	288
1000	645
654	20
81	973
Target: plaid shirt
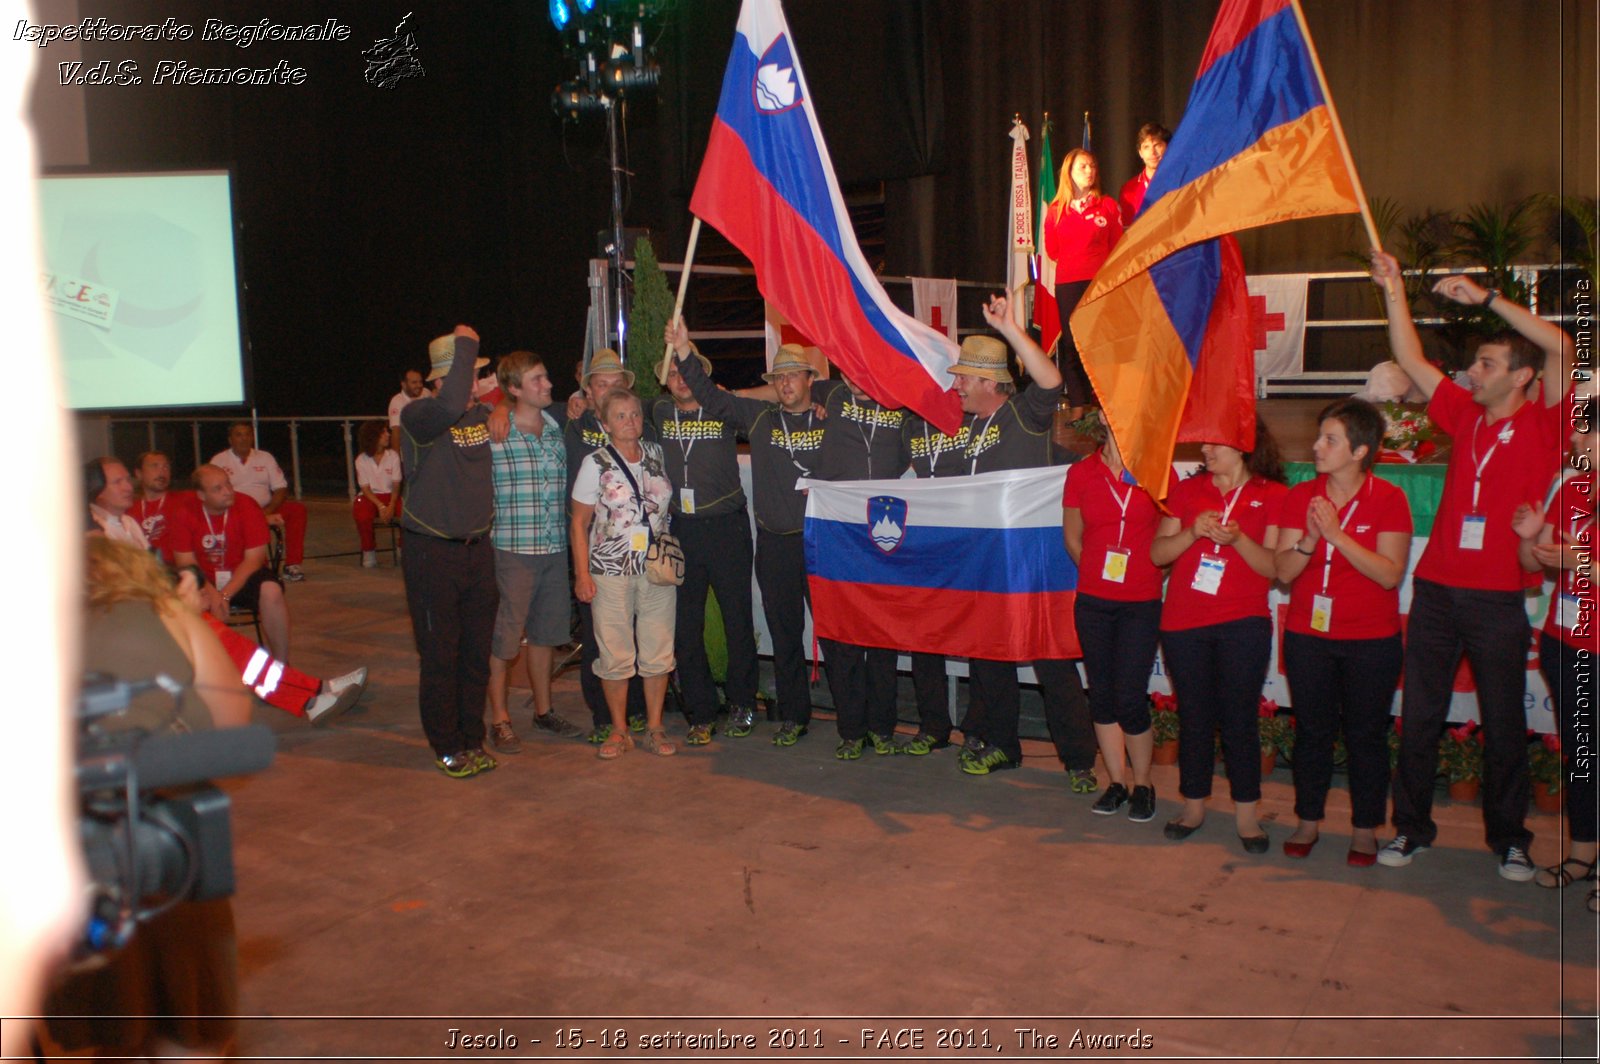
530	491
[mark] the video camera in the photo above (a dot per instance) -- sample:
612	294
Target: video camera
155	832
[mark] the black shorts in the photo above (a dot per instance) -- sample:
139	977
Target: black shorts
248	597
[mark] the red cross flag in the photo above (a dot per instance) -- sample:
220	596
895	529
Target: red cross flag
933	302
1278	323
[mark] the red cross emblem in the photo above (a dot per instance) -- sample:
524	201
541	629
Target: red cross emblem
1262	323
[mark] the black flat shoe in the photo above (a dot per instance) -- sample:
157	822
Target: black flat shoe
1177	830
1254	843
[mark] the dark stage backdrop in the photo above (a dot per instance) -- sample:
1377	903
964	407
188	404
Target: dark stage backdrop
376	218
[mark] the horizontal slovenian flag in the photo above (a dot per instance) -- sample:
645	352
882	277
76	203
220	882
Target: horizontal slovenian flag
767	184
968	566
1258	144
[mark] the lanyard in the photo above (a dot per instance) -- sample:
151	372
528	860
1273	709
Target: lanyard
1227	508
1327	556
933	456
699	416
978	438
212	532
1122	503
788	441
1504	436
867	437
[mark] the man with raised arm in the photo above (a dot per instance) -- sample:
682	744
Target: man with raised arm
1467	589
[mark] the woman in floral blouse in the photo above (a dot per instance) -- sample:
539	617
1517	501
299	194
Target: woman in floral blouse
619	507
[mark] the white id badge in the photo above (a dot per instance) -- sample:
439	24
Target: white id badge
1208	578
1321	612
686	500
1472	527
224	578
1115	569
638	540
1567	611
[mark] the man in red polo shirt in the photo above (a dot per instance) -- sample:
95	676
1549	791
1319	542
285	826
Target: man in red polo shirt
157	508
1153	139
1467	590
226	536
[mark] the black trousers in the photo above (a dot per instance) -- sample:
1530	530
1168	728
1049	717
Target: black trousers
717	555
594	693
1342	685
996	706
1217	672
1119	648
863	682
1079	392
932	689
1569	672
452	595
781	573
1491	628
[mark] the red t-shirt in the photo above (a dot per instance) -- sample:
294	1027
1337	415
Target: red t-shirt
158	518
1099	497
1132	197
1572	513
1519	455
1361	608
1080	241
1242	592
219	542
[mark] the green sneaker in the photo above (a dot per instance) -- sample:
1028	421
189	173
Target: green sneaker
457	766
882	745
969	747
922	744
636	724
599	735
789	733
1082	780
987	759
700	735
849	749
481	758
741	721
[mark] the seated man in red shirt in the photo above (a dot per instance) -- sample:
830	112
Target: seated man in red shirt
158	507
257	474
226	536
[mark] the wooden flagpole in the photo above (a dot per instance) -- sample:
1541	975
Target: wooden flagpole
683	286
1338	129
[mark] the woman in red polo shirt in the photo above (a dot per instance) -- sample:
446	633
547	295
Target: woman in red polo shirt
1216	634
1342	549
1081	227
1562	540
1108	523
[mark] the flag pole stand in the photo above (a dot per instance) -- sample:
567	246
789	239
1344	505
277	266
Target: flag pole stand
1338	129
683	279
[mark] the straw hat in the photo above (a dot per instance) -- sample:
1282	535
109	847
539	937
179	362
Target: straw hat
661	367
606	360
791	358
983	356
442	352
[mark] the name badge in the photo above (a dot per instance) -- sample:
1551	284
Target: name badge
1115	569
224	578
1472	527
1321	613
686	500
1567	611
638	540
1208	578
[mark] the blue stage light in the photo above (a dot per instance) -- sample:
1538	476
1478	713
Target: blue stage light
561	13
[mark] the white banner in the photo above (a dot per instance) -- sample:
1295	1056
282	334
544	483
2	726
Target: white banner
1020	230
1278	315
933	301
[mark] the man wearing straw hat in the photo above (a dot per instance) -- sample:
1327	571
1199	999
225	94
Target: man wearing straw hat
448	558
785	445
1002	429
710	520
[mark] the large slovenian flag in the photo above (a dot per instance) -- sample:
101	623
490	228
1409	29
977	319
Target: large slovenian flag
767	184
1258	144
970	566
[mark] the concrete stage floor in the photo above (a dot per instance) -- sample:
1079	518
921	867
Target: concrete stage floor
743	881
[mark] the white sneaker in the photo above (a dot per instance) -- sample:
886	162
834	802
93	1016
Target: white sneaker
1515	865
369	559
340	694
